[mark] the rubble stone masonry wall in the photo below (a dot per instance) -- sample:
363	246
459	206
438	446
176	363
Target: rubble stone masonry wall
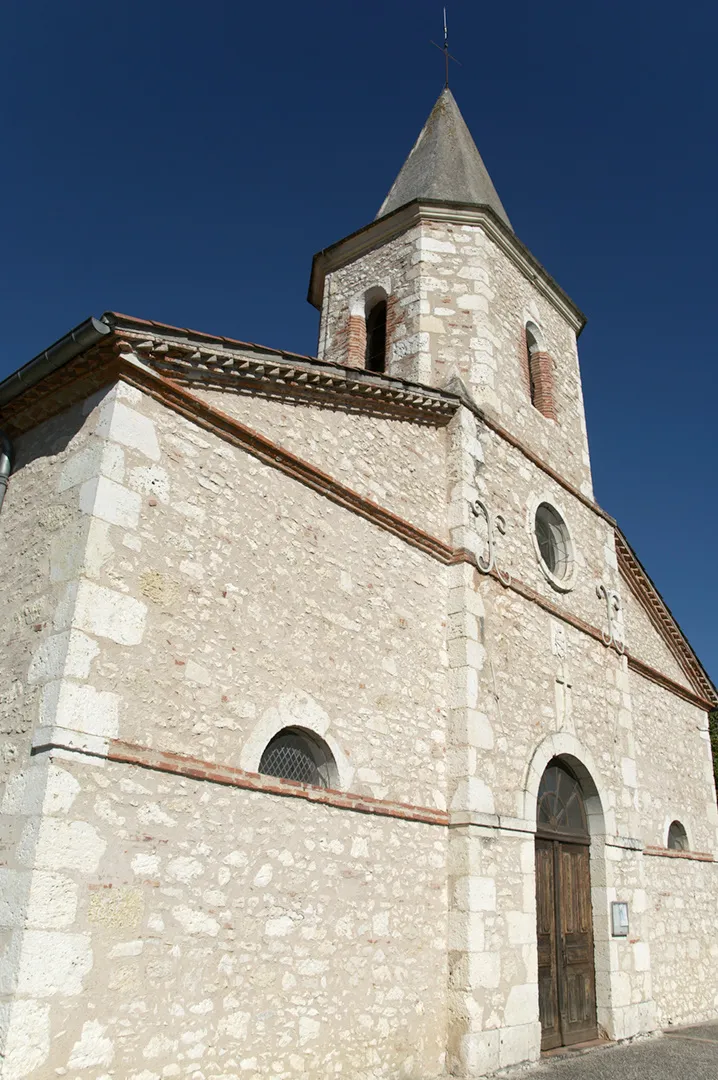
400	465
684	949
207	931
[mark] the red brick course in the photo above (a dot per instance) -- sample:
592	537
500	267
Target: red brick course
230	776
356	341
669	853
542	380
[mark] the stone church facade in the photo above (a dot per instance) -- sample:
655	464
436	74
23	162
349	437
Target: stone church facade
343	731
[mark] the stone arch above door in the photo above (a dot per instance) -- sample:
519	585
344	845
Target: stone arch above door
566	747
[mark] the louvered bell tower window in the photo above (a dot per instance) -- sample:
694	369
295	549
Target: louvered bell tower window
375	359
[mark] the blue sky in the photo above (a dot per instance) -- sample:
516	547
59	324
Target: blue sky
183	162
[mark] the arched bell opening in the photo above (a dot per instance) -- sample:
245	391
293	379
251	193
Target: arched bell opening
564	910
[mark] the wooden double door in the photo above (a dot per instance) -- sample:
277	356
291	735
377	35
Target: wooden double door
566	979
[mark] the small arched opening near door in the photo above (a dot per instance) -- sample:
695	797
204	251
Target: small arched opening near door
566	975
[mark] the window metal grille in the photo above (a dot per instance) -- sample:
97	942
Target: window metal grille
292	756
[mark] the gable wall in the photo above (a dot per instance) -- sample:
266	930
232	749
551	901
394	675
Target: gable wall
400	465
646	641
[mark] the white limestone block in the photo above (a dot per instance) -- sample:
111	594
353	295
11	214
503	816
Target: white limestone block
475	893
628	770
472	793
480	1053
235	1025
109	614
52	904
428	243
28	1039
145	864
14	885
61	790
98	458
484	970
126	948
111	502
98	548
642	956
184	868
521	928
521	1005
68	653
129	428
52	962
69	845
80	707
309	1029
196	673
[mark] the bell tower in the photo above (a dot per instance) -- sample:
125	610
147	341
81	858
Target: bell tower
454	293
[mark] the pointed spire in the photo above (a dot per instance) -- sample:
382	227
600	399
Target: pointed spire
444	165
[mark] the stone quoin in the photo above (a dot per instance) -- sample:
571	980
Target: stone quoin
336	713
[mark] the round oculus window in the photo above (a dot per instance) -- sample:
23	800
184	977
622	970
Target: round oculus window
554	542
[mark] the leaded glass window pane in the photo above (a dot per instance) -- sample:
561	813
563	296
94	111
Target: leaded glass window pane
560	802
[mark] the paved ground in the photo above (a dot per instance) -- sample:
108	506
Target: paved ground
689	1053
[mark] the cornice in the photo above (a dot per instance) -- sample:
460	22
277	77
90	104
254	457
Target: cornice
414	213
268	373
66	386
662	619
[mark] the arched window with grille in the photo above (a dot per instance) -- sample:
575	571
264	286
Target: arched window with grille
677	837
297	754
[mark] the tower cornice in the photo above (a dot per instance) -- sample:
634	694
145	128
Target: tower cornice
414	213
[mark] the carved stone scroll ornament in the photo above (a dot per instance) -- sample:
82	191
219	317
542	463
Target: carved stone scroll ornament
614	635
495	523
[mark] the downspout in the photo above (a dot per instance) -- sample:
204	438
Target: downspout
6	456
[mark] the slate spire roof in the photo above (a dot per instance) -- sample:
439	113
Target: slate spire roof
444	165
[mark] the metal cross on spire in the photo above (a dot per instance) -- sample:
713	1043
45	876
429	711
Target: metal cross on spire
445	49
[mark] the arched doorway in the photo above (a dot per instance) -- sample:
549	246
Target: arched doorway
566	976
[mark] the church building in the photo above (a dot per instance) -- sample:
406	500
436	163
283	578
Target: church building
343	732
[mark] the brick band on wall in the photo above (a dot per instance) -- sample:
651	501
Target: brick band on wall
542	383
356	341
